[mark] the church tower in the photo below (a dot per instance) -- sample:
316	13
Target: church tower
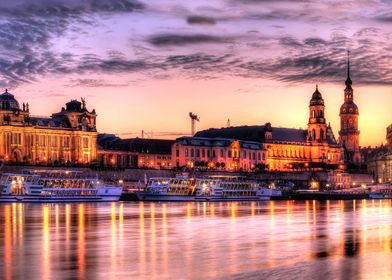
317	127
349	133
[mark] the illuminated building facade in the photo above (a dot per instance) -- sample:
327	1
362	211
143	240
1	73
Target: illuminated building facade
288	149
379	160
114	152
218	154
67	137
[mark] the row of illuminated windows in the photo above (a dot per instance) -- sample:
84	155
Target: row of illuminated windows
287	153
43	140
191	152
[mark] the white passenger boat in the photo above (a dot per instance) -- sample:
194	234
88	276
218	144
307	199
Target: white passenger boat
208	189
55	186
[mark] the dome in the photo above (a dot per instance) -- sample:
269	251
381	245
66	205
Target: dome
8	101
349	108
317	98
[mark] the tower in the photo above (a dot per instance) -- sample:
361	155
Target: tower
349	133
317	127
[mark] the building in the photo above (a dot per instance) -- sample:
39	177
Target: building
379	159
285	149
134	152
349	133
218	154
67	137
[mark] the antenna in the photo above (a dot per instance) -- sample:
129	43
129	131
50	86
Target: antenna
194	119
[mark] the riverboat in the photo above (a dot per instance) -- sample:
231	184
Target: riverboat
55	186
203	189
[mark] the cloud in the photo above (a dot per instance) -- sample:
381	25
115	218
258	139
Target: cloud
94	83
185	39
247	42
201	20
27	30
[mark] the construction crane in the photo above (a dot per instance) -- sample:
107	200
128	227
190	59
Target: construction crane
194	119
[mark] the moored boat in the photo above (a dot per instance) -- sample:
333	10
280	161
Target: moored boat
203	189
55	186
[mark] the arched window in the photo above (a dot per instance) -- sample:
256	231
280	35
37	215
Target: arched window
314	134
313	113
322	134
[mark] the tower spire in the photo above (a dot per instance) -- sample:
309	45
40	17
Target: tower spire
348	81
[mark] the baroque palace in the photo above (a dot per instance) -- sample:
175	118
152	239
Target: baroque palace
68	136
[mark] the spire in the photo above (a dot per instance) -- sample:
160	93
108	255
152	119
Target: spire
348	81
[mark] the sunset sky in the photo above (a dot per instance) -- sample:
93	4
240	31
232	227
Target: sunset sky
143	65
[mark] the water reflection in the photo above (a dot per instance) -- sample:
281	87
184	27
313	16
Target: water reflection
340	239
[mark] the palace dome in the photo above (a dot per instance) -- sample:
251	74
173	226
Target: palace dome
8	101
349	108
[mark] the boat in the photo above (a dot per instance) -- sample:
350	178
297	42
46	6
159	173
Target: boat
380	191
168	189
203	189
55	186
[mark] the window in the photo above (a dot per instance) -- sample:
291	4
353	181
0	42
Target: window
66	141
244	154
259	156
229	153
42	140
203	153
53	141
197	153
221	152
213	153
192	153
186	152
16	138
208	153
85	157
177	153
85	142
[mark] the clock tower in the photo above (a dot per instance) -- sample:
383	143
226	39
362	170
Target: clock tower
349	133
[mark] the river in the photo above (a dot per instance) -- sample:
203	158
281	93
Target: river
241	240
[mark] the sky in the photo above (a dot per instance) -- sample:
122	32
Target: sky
144	65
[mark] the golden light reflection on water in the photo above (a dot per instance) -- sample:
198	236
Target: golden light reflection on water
45	263
169	240
81	242
7	243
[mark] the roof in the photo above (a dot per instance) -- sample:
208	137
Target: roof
138	145
48	122
255	133
217	142
8	101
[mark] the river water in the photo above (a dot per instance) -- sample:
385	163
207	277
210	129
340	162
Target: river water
247	240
